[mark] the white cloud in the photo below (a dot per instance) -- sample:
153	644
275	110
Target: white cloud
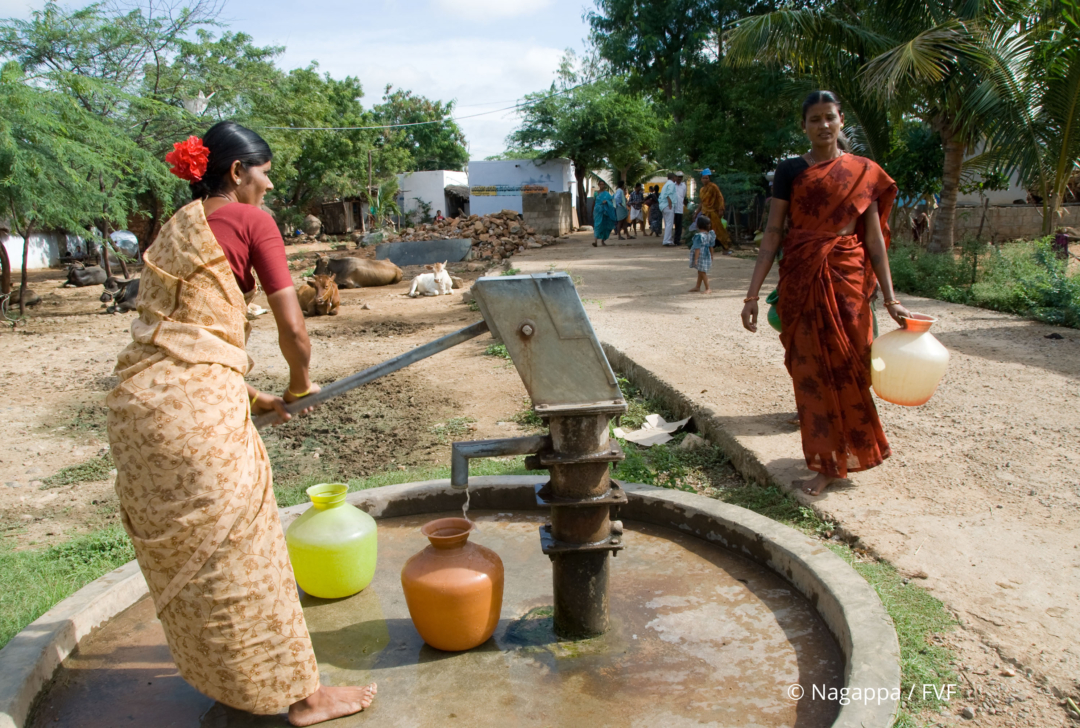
491	9
443	69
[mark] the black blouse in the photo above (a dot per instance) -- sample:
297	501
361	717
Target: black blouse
785	175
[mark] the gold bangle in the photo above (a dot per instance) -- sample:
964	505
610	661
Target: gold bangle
748	299
298	396
254	398
893	302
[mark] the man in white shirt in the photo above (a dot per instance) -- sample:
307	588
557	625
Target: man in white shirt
667	203
680	203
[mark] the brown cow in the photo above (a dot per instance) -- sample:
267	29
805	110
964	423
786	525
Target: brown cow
319	297
358	272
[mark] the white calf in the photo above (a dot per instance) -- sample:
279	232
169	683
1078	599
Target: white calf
438	283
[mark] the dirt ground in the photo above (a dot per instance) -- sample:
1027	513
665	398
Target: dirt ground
56	370
980	502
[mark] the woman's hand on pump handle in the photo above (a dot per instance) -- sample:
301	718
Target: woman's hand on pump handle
264	403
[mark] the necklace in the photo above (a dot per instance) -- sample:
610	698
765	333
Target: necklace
815	161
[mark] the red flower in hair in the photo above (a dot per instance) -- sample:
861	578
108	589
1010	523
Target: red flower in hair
188	159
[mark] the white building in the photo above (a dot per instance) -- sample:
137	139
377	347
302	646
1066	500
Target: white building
420	188
45	248
499	185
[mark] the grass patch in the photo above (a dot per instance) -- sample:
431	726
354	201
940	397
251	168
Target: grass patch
511	272
295	493
526	417
88	419
31	582
498	350
453	429
1026	278
91	470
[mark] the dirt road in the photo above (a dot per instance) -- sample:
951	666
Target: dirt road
981	499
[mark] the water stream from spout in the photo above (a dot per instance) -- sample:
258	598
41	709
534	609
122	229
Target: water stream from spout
465	507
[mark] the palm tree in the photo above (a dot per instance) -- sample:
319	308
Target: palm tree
887	58
1036	74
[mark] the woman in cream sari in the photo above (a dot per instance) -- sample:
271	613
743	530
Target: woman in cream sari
195	487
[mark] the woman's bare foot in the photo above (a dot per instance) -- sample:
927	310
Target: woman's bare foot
329	703
694	290
793	421
816	485
708	290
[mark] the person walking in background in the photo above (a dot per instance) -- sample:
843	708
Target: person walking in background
712	206
834	256
637	217
667	209
622	209
603	215
680	205
656	218
701	253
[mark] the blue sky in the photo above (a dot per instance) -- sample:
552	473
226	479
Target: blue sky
486	54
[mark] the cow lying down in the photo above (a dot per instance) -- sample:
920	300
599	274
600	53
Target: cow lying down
122	293
319	296
79	275
358	272
436	283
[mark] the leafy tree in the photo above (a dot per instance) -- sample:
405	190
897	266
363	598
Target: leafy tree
53	155
430	146
589	122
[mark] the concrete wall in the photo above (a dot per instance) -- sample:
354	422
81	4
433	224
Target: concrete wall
508	176
550	214
428	187
1009	222
46	250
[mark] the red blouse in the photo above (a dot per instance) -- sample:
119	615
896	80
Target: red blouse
250	239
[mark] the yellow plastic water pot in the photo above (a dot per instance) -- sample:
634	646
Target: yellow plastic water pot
332	545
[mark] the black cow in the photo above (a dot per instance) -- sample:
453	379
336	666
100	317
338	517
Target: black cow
123	294
80	275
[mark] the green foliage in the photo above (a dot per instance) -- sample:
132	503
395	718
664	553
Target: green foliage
498	350
96	469
1021	278
453	429
511	272
429	146
915	161
33	581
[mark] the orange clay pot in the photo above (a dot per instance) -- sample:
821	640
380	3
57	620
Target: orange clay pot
454	588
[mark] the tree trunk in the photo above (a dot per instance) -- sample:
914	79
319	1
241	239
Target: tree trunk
944	225
5	266
105	258
108	243
582	208
25	256
982	220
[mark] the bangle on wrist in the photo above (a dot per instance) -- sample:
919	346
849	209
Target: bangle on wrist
305	393
893	302
748	299
255	397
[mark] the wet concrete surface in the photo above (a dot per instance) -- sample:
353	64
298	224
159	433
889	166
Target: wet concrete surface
699	636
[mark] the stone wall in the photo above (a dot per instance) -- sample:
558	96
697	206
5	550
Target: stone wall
1009	222
550	214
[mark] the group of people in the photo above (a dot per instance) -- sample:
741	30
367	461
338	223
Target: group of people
659	212
194	480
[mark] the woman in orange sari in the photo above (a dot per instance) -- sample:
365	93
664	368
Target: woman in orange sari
834	255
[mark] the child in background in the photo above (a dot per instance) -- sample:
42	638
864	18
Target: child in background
701	252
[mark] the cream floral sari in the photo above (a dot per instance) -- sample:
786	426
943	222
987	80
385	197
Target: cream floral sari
195	487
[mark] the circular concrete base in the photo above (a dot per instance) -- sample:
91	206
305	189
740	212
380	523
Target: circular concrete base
707	630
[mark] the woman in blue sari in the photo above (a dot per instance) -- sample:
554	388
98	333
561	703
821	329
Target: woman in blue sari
603	215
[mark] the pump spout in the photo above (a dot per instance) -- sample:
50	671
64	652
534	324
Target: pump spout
463	452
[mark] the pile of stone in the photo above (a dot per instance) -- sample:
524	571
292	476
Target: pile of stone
493	236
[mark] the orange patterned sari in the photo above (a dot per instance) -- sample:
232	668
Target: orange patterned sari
825	286
194	482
